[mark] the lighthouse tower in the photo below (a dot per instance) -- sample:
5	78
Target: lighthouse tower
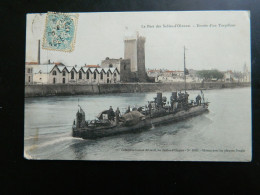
135	51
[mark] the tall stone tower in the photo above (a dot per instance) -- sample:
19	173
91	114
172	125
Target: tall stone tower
135	51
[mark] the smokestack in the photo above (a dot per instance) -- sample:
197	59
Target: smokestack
39	52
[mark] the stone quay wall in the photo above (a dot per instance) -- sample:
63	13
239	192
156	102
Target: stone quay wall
88	89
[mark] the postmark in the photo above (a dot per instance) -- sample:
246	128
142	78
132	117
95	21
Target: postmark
60	31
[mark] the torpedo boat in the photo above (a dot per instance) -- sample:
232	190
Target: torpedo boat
158	112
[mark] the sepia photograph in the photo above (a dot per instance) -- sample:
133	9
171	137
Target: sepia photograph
138	86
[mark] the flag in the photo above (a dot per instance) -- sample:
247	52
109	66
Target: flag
186	72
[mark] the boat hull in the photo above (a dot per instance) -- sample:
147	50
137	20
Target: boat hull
88	133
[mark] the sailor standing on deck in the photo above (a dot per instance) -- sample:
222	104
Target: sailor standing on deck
198	99
111	113
128	110
186	97
117	115
150	108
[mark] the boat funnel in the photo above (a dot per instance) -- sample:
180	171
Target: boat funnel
174	96
159	99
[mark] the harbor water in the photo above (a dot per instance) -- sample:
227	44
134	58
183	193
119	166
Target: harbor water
222	134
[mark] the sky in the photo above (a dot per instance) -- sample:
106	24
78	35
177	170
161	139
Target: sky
214	39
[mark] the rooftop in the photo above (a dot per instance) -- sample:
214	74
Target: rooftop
31	63
92	66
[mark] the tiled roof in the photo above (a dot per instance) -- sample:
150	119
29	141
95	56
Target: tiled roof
31	63
153	70
172	71
92	66
58	63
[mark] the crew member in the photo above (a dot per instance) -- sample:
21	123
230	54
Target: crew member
128	109
198	99
117	115
150	108
111	113
186	97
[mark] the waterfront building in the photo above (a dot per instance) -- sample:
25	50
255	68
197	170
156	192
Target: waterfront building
154	73
29	72
246	74
167	79
123	66
165	76
228	76
111	63
57	73
39	73
173	73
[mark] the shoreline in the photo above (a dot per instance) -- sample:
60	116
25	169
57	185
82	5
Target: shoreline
94	89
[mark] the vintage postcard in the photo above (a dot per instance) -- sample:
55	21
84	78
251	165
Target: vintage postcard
138	86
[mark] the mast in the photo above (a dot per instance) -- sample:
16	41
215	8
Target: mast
184	72
39	52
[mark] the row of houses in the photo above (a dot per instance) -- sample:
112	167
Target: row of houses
58	73
172	76
178	76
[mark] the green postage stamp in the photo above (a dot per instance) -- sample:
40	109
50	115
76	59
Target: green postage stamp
60	31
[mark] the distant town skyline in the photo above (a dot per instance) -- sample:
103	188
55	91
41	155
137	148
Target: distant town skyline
100	35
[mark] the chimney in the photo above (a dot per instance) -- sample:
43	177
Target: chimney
39	52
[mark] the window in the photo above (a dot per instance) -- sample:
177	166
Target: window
54	80
114	74
87	75
72	75
29	79
101	76
80	75
28	70
107	74
110	65
63	80
125	67
54	72
107	80
63	73
95	75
